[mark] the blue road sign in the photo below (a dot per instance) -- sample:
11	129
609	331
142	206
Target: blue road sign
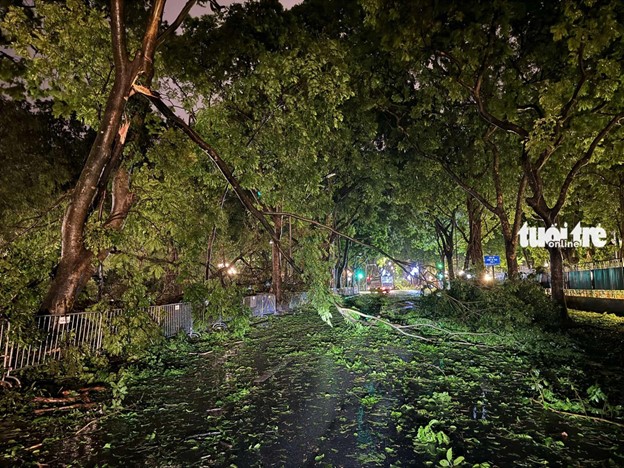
491	260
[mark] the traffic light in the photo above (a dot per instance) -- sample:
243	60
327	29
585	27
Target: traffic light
440	270
359	274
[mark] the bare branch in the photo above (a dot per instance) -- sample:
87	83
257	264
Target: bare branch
400	263
582	162
118	32
176	23
240	192
348	314
144	61
574	98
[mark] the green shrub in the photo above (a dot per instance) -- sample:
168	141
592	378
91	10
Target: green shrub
501	307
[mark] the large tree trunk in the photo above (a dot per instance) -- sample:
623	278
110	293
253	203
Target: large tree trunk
449	260
342	263
74	268
276	286
621	216
510	237
474	252
213	238
556	280
337	271
445	234
209	248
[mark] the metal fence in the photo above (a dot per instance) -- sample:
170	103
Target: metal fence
261	304
593	276
613	263
298	300
53	335
173	318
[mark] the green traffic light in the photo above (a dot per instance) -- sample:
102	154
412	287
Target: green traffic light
439	266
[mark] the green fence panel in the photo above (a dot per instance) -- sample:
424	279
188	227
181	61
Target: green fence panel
608	278
579	280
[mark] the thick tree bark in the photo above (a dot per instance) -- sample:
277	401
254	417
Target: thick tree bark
445	234
474	251
556	281
74	268
449	260
213	238
342	263
276	285
510	237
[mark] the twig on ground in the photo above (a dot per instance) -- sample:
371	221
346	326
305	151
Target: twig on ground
98	388
65	408
67	399
93	421
345	313
576	415
401	328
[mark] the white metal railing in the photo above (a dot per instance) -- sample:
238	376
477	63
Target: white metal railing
54	334
261	304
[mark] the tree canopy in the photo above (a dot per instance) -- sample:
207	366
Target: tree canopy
140	157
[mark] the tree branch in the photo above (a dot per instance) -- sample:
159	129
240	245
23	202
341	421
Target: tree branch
468	189
118	32
240	192
145	58
400	263
582	162
519	202
502	124
176	23
574	98
348	315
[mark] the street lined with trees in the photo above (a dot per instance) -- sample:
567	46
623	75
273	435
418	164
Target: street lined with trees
261	149
350	114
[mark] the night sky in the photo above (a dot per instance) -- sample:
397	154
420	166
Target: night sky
173	7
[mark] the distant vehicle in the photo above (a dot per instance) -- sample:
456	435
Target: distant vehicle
387	282
381	284
374	283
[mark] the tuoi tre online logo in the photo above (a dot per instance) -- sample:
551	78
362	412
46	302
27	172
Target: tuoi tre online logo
560	237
